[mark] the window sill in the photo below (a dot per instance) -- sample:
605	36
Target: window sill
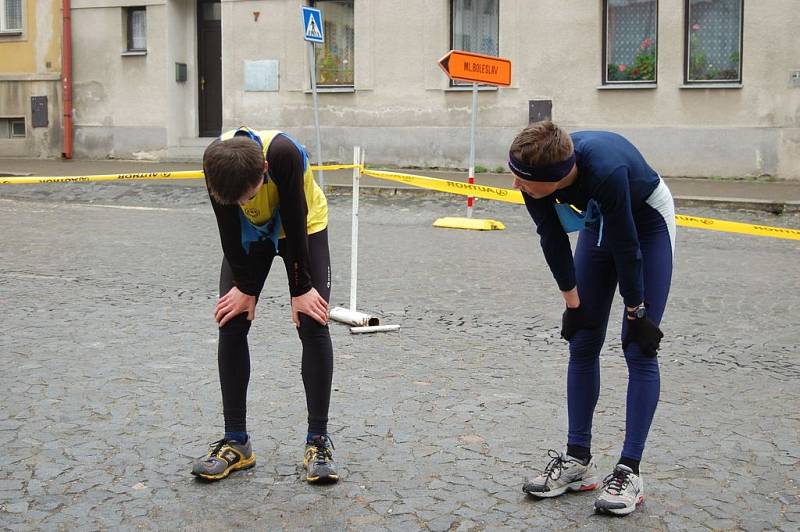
10	33
127	53
627	86
711	86
468	88
332	90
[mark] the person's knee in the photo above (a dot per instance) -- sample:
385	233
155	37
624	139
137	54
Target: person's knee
311	329
639	364
586	345
237	326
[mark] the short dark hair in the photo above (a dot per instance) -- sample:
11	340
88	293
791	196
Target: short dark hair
233	168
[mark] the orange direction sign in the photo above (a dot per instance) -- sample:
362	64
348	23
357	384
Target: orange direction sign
468	66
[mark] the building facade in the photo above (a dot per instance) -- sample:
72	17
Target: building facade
703	87
30	78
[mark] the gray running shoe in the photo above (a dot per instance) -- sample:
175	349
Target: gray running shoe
623	491
563	473
224	457
318	461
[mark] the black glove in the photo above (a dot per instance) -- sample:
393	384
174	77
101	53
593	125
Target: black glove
574	320
645	333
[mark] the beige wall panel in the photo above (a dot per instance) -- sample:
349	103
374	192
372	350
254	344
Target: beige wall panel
96	65
247	39
403	108
182	109
119	100
100	4
15	101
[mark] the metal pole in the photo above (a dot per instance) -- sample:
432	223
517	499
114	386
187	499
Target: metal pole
312	60
354	232
471	177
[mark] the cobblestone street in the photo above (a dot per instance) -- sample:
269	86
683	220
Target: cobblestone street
110	384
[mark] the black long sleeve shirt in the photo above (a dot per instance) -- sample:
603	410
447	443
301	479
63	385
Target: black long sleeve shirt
286	167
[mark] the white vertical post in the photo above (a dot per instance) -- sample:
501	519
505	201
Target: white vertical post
312	63
471	177
357	160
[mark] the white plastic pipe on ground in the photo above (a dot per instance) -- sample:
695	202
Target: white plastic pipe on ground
353	317
377	328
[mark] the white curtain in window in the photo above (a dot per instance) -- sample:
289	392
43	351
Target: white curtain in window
13	15
714	27
476	26
630	22
138	30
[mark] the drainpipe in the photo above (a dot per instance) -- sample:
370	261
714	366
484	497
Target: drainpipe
66	75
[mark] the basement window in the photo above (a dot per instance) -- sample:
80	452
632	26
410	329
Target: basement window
12	128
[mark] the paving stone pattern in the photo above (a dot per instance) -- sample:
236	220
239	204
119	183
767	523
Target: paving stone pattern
110	387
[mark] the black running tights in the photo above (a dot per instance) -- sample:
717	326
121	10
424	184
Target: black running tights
233	354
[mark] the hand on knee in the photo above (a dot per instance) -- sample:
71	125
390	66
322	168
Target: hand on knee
645	333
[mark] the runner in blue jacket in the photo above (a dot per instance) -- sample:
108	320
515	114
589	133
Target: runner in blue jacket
598	183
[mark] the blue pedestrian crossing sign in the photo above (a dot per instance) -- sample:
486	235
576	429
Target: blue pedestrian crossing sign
312	25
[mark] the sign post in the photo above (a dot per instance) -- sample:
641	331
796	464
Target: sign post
477	68
471	177
313	32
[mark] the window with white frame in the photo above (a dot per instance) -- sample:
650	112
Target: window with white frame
137	29
713	41
334	58
629	48
11	16
475	27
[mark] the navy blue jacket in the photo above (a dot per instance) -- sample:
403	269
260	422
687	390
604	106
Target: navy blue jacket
612	172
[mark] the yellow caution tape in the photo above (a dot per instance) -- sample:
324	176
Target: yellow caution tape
188	174
737	227
334	167
442	185
452	187
515	196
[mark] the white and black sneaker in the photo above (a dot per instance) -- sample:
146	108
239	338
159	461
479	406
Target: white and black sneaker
563	473
622	492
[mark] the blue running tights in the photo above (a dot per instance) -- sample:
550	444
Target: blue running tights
597	280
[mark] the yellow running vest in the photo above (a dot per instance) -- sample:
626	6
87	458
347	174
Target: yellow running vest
259	209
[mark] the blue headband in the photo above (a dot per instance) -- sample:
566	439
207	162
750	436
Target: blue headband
546	172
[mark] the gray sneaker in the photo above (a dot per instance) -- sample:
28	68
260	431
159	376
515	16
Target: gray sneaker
318	461
224	456
563	473
623	491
